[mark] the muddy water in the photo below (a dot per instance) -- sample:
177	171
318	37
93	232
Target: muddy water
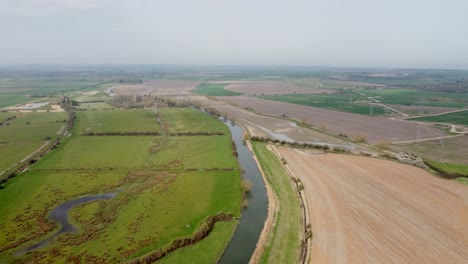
60	215
253	218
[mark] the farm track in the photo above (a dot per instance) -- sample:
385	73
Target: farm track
366	210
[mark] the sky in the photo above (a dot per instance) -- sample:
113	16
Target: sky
347	33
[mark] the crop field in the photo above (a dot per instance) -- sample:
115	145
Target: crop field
165	188
156	87
418	97
95	106
338	102
117	121
403	210
47	85
268	87
460	118
27	133
214	89
189	119
373	129
10	100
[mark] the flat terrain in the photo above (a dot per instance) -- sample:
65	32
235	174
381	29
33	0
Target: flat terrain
214	89
268	87
460	118
189	120
365	210
156	87
450	150
117	121
27	133
374	129
338	102
166	187
10	100
418	97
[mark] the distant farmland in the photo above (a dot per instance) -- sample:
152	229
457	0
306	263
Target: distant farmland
460	118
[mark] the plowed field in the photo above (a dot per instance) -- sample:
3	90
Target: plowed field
366	210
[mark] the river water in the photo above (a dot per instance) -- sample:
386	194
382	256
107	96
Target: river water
60	215
244	241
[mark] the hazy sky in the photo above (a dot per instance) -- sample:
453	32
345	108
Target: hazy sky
384	33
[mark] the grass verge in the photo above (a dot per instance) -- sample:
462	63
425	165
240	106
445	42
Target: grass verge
283	243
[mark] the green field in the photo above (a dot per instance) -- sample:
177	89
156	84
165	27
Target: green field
450	169
26	134
166	189
417	97
116	121
95	106
283	243
190	119
10	100
459	118
338	102
213	89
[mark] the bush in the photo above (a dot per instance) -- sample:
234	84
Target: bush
247	185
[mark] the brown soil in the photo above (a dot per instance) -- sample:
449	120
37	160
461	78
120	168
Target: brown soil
366	210
269	87
374	129
156	87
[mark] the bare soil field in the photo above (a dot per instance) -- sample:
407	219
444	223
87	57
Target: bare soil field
269	87
373	129
275	128
366	210
156	87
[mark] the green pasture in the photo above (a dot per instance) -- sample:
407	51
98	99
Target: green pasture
459	118
166	188
338	102
116	121
33	127
11	153
216	241
194	152
95	106
190	119
417	97
214	89
10	100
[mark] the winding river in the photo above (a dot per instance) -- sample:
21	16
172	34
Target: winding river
60	215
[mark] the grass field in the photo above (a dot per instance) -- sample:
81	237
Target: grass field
216	241
460	118
32	127
10	100
158	199
284	241
338	102
414	97
26	134
457	170
116	121
213	89
190	119
96	106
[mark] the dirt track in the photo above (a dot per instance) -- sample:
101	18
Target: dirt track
366	210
